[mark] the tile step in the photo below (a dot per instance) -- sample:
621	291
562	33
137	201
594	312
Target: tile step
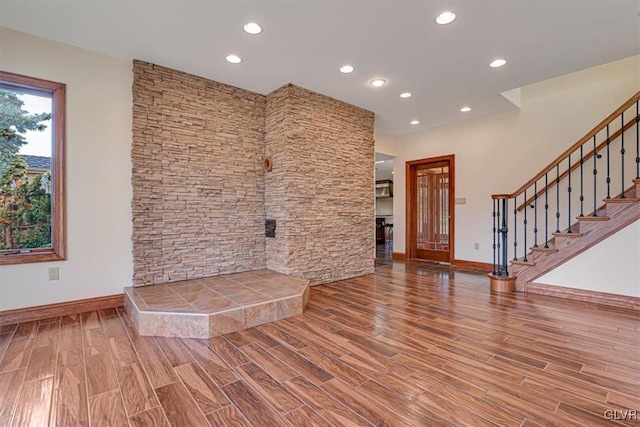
211	306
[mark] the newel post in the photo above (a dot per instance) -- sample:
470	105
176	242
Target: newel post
500	281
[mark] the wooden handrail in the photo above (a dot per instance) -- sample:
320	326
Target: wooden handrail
571	149
576	165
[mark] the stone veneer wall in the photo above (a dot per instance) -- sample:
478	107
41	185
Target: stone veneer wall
198	184
321	188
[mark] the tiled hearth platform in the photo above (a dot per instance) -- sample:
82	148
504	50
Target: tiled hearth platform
204	308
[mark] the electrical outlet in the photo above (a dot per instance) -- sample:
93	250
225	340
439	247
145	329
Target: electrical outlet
476	246
54	273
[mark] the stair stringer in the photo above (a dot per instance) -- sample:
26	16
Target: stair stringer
593	232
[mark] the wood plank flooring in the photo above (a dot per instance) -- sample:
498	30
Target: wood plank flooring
412	345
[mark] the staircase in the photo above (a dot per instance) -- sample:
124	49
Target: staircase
613	216
585	195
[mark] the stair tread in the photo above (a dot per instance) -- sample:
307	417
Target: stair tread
543	249
566	234
521	262
622	200
593	218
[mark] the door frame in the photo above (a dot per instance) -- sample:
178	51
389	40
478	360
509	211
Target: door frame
411	228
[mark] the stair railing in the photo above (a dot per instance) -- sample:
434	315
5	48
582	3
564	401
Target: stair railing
602	153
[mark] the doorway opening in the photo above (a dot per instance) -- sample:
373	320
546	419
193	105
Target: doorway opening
430	209
384	208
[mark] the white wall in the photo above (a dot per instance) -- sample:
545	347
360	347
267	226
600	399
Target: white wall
497	154
622	276
98	166
385	144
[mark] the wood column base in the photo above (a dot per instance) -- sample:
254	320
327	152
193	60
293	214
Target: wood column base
502	284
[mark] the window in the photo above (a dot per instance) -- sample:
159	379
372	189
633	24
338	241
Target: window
31	170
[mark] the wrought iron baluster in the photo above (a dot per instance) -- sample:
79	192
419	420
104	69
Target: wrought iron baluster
504	230
608	166
535	214
582	182
569	197
558	198
622	152
546	210
494	236
525	226
499	236
595	176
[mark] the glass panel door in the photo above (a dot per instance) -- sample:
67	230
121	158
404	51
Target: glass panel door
431	210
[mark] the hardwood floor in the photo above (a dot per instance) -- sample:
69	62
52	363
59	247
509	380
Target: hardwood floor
414	344
384	254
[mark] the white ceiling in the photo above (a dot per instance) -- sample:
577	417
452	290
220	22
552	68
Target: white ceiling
305	42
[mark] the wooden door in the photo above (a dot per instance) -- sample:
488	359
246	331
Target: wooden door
430	209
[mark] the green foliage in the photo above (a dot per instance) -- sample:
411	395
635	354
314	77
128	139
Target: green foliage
25	203
25	208
14	121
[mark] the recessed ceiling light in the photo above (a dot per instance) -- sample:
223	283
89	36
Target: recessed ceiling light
378	82
415	122
465	109
346	69
497	63
446	18
252	28
405	95
234	59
